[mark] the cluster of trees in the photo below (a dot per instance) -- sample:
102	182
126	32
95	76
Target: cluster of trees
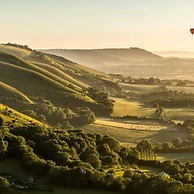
46	112
175	102
164	93
169	98
179	145
183	172
77	158
147	81
159	110
71	157
105	105
73	146
149	151
18	46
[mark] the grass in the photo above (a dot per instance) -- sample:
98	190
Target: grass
74	66
183	157
67	78
10	92
29	80
15	51
140	89
132	107
12	166
148	169
185	89
180	114
14	62
119	170
131	136
19	118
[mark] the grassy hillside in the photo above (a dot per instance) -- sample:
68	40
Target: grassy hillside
10	92
13	117
12	50
28	75
68	73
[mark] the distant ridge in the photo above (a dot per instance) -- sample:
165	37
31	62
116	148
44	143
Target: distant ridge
97	58
133	61
179	54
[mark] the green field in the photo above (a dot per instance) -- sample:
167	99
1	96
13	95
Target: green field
133	136
140	89
148	169
183	157
132	107
119	170
180	114
185	89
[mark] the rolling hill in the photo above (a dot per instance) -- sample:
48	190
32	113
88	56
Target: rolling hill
134	62
180	54
100	59
52	83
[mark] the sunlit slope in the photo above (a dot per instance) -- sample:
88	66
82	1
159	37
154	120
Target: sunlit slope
13	117
20	52
70	74
7	92
100	58
33	83
27	65
74	66
67	78
86	75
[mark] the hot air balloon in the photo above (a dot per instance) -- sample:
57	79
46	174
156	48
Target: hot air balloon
192	31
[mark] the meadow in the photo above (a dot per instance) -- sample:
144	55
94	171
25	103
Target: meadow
183	157
132	131
140	89
132	136
179	114
132	107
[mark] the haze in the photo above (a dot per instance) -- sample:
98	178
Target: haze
152	25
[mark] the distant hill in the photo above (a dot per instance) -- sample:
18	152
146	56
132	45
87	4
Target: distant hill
100	59
179	54
134	62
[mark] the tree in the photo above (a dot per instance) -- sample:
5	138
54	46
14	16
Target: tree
187	177
177	142
94	161
113	143
144	145
1	122
128	173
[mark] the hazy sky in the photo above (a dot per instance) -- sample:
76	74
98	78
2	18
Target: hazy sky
149	24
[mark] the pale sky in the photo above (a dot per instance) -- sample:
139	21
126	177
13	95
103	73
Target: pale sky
155	25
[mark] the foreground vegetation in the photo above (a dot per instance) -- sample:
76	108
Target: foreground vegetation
124	150
77	158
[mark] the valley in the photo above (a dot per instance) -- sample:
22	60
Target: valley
70	126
